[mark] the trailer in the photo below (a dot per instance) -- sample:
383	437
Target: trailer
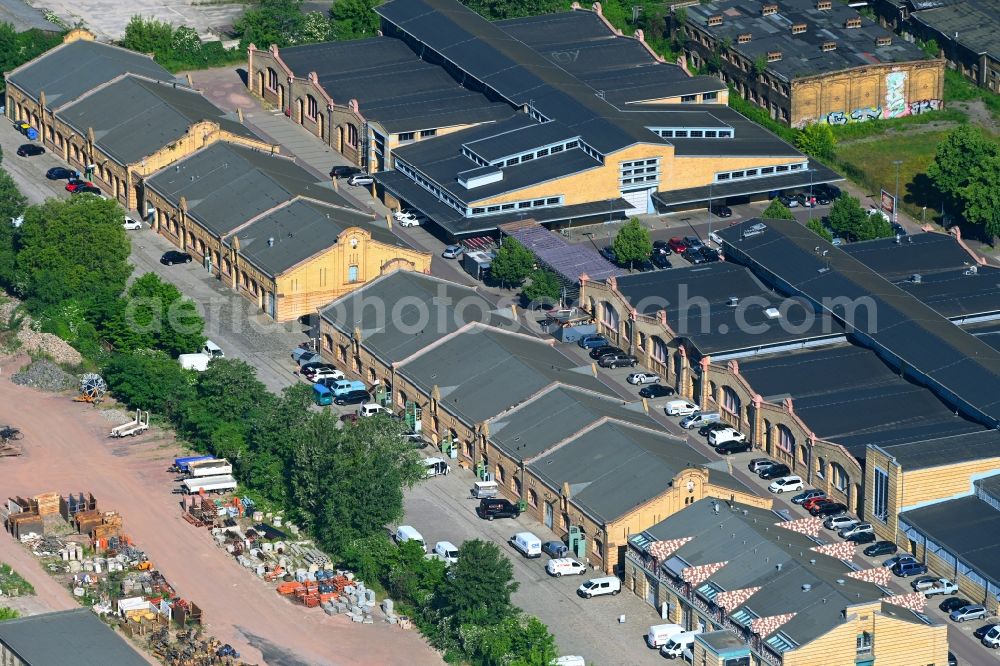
136	426
210	467
569	325
209	484
182	464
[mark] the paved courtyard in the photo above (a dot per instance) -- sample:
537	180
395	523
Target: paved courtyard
108	19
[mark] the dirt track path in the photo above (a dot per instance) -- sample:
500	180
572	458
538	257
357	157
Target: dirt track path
67	450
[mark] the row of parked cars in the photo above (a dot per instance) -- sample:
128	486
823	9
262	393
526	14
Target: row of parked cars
690	248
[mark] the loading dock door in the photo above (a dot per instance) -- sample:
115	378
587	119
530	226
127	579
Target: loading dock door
639	201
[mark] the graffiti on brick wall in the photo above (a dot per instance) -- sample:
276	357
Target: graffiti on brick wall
895	95
924	105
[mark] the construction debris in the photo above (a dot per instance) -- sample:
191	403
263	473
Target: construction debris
45	375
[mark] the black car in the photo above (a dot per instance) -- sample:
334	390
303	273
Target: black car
497	507
861	537
608	253
87	189
59	173
722	211
656	391
953	603
618	361
709	254
172	257
660	260
983	630
774	472
343	171
30	150
643	266
706	429
693	243
952	660
597	352
828	509
880	548
662	247
731	447
355	397
694	256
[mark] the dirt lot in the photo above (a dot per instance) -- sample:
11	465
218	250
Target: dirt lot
67	450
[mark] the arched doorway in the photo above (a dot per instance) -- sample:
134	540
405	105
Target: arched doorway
321	125
281	96
300	115
340	138
260	83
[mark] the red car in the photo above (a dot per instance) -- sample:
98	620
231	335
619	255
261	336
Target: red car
677	245
815	501
73	184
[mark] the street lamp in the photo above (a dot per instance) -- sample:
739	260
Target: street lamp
895	202
811	172
710	209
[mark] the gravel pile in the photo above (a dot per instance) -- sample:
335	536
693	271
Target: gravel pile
117	416
46	376
35	342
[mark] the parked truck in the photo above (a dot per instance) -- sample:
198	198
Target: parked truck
199	361
184	464
210	467
209	484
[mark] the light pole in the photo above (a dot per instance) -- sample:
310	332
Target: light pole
709	209
811	172
923	216
895	202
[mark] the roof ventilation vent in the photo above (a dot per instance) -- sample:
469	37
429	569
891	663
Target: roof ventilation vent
806	587
972	270
772	313
778	566
734	301
898	239
812	561
270	241
841	581
916	278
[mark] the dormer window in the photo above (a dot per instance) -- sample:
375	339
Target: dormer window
798	28
715	20
767	10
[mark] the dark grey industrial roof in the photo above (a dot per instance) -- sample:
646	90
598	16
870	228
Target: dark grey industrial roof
615	467
923	253
401	313
568	260
483	371
74	636
458	225
134	117
973	24
977	444
962	369
735	188
966	527
697	302
761	554
801	54
392	85
535	426
959	293
70	70
721	641
536	135
227	185
989	486
300	230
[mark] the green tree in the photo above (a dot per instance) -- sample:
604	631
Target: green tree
7	613
150	380
817	226
17	48
271	437
981	196
847	218
495	10
155	315
816	140
518	640
149	36
73	250
354	19
544	287
270	22
513	262
874	226
777	211
957	156
480	587
632	243
12	204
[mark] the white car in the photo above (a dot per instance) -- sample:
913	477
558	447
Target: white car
719	437
360	179
131	225
562	566
785	484
837	523
406	218
643	378
327	373
680	408
596	587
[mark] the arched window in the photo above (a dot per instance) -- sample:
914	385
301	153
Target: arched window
593	306
501	474
641	342
532	497
599	548
272	79
730	401
840	477
803	454
312	108
660	352
820	468
352	136
516	485
609	316
327	342
786	440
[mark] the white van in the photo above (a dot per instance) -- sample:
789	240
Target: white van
212	350
447	551
406	533
436	467
370	408
660	634
565	566
596	587
699	419
680	408
678	643
527	544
